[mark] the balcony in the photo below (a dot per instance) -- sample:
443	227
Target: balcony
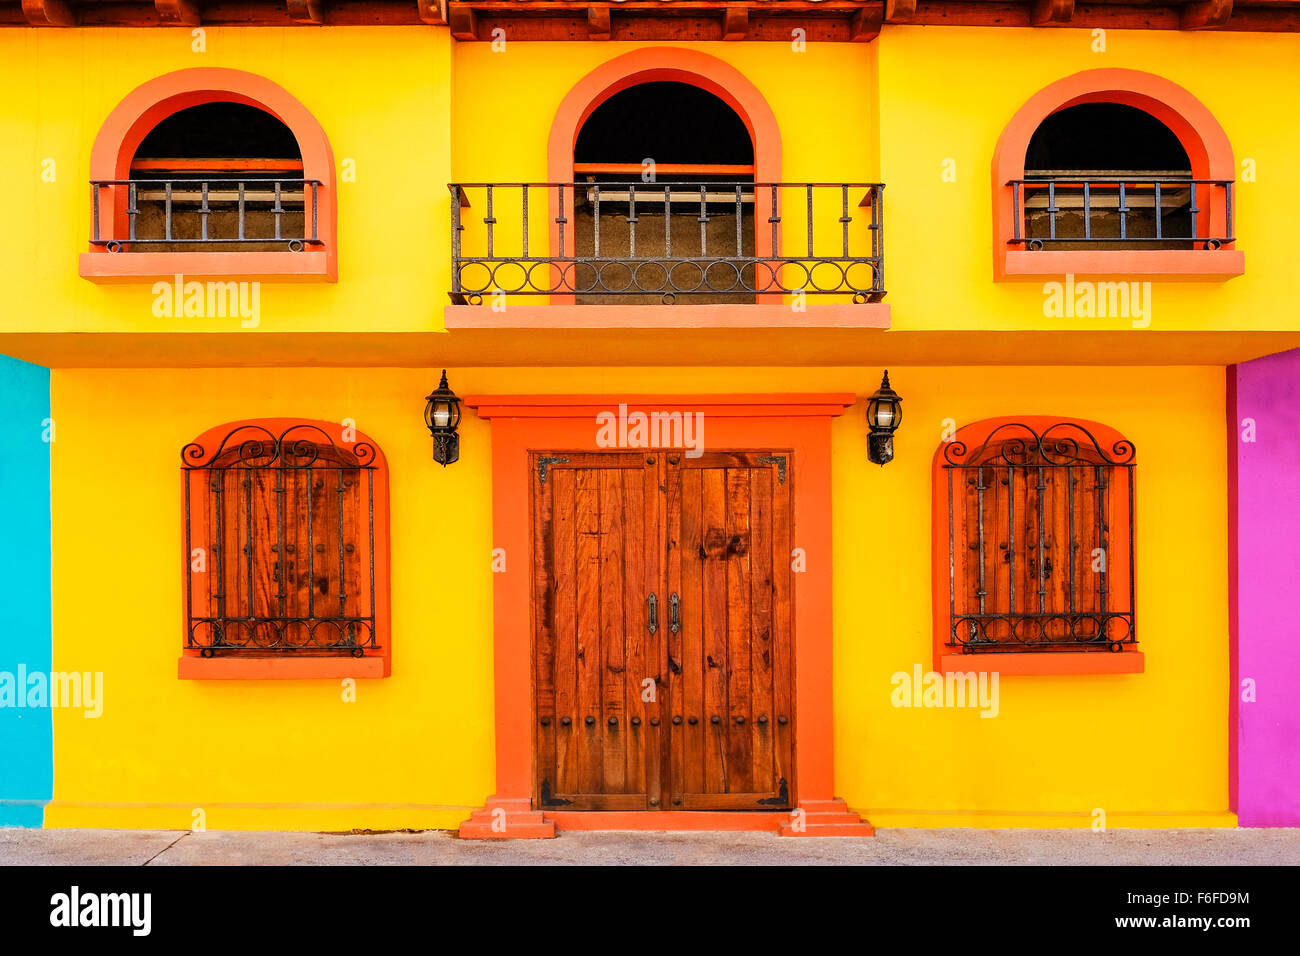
707	243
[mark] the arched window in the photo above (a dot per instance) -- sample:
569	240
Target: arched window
211	172
1034	541
286	544
1114	171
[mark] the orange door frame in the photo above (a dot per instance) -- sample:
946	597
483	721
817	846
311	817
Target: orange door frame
523	423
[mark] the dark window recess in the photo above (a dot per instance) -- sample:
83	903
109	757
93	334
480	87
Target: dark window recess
220	177
1110	176
279	539
1040	532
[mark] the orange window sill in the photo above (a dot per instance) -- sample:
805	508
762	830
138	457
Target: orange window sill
777	315
310	265
281	668
1171	263
1071	662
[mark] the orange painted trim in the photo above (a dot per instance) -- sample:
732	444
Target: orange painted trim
147	105
649	65
1185	263
375	663
570	426
695	169
1082	662
280	668
693	821
844	315
1197	130
1022	662
110	267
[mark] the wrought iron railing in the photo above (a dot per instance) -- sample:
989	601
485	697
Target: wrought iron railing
1135	211
1020	500
143	213
254	507
666	240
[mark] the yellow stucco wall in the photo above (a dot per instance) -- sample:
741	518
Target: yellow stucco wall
416	749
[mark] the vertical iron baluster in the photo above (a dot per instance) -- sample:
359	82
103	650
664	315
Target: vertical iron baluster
370	498
1011	534
311	547
248	534
95	189
490	221
1123	213
704	220
524	201
167	205
279	534
668	227
952	559
204	211
1194	207
631	223
740	215
342	581
456	229
218	549
1015	209
980	488
845	218
1227	209
241	210
1100	488
775	220
1159	212
278	209
1042	577
1073	546
878	235
1132	606
131	210
315	219
596	224
560	219
809	191
1087	210
188	558
1052	210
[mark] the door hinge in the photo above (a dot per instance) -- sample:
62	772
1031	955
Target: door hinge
779	461
544	462
782	797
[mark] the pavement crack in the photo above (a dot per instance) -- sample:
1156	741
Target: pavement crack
165	849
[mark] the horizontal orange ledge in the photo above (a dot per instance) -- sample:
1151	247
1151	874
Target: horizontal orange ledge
846	315
280	668
308	265
1081	662
1164	263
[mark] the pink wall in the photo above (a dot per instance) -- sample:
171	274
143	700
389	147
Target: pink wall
1264	510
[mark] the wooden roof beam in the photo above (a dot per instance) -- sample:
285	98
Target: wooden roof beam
735	23
598	27
177	12
865	25
1046	12
307	11
49	13
433	12
899	11
1204	14
463	22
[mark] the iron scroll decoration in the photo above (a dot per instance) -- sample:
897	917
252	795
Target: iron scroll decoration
1071	447
300	446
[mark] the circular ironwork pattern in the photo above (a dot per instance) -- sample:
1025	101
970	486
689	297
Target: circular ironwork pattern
298	446
1064	443
992	632
213	635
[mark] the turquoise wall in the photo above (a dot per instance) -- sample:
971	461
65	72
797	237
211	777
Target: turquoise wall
26	733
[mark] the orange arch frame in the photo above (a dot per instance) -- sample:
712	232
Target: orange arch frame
153	101
379	664
1200	134
651	65
1127	661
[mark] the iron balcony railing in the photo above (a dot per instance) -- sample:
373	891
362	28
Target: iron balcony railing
1129	210
154	212
667	240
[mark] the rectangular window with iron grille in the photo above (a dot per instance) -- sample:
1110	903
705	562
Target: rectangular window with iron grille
1040	537
280	537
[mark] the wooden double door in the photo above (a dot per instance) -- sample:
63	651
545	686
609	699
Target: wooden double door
663	665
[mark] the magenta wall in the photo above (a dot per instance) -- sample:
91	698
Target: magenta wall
1264	509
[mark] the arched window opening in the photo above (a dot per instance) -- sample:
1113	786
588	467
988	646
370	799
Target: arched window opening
1107	175
218	177
665	172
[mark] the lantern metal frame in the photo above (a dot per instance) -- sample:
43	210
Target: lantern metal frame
446	441
880	443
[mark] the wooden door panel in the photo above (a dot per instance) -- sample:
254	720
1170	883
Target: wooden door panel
594	566
733	534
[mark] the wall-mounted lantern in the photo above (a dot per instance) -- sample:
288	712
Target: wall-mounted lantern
441	416
884	413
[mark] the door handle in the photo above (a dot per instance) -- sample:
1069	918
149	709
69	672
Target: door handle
674	613
652	607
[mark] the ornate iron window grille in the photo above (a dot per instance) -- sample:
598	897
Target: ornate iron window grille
689	263
306	474
205	198
1180	210
1075	607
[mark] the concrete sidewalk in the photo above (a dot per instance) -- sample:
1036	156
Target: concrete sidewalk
915	847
